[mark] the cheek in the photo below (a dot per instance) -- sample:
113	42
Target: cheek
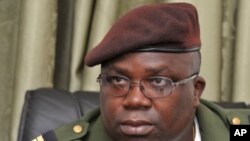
109	107
106	111
111	110
176	110
184	102
105	105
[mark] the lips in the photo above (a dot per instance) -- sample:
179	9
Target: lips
136	127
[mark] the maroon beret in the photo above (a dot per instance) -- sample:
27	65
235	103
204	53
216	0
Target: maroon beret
164	27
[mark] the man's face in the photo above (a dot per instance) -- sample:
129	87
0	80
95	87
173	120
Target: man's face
135	117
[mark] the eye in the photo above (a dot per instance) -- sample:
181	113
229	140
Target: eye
158	82
116	80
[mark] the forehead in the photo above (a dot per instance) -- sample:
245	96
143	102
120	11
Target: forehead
171	63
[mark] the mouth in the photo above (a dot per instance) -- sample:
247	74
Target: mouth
136	127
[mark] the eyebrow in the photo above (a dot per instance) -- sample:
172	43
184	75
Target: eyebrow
156	71
118	70
149	70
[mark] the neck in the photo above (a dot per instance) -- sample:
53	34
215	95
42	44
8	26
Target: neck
188	135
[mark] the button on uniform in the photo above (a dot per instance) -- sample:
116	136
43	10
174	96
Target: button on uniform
78	128
236	121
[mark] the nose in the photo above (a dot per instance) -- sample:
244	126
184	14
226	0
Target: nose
135	99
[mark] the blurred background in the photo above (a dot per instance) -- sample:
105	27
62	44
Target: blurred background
43	43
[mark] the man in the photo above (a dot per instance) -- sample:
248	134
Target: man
150	86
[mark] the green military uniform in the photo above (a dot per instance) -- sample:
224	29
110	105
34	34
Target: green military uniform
214	123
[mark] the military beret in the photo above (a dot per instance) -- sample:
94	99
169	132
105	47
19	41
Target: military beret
162	27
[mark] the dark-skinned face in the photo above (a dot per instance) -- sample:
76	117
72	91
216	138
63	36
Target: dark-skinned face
135	117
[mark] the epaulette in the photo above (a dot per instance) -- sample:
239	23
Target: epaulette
68	132
71	131
239	116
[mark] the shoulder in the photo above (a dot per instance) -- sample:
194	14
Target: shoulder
214	121
230	116
72	131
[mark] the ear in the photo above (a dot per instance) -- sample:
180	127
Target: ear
199	86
